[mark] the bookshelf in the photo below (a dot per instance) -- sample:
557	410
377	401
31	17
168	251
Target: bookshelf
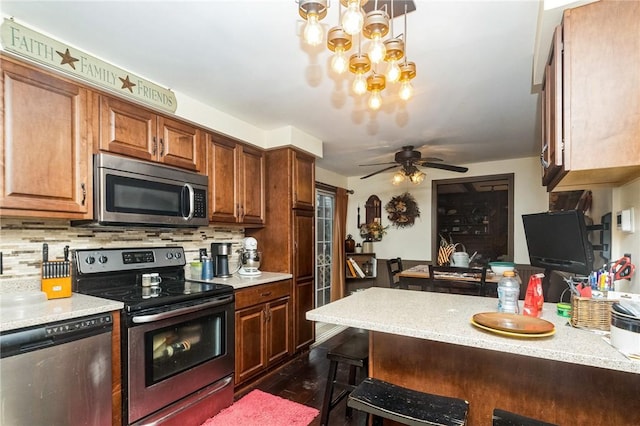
364	262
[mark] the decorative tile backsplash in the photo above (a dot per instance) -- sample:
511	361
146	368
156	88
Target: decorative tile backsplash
21	241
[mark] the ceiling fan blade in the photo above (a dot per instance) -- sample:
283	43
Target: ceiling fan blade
378	164
380	171
449	167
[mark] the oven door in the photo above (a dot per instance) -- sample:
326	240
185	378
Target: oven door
174	354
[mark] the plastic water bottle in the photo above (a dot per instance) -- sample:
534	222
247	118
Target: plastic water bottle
508	293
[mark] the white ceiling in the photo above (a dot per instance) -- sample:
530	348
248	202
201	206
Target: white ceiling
474	99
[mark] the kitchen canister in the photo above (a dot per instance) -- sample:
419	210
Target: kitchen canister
625	332
207	268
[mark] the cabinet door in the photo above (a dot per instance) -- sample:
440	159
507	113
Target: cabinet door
127	129
552	144
180	144
252	177
303	240
304	329
44	153
250	342
304	195
222	159
278	330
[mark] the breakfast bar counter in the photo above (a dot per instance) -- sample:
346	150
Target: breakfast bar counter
425	341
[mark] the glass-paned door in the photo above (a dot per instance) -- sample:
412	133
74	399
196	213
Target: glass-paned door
325	202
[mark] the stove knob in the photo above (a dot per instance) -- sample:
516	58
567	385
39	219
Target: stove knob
90	260
169	255
178	255
103	259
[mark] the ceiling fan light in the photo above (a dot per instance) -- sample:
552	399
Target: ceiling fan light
417	177
398	178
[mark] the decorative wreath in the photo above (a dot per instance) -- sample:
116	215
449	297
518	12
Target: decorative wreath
402	210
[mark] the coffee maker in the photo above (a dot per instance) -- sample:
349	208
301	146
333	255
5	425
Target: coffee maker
249	257
221	253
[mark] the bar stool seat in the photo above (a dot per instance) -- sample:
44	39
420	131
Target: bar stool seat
406	406
355	354
506	418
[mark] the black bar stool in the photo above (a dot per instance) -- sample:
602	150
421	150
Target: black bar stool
506	418
355	354
385	400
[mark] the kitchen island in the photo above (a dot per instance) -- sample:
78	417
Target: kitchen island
425	341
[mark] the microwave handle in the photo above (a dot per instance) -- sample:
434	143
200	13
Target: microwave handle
192	201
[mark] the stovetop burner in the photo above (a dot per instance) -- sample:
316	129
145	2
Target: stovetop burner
115	274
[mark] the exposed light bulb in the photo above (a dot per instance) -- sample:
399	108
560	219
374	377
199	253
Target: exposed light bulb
339	62
393	73
359	84
313	30
377	51
352	18
375	100
406	90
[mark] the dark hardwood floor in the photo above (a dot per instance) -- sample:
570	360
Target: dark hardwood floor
303	380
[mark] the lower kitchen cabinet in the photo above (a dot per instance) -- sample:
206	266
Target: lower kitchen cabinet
263	328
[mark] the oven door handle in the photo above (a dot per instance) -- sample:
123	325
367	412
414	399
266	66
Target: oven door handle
143	319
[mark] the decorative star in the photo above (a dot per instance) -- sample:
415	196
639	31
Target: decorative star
127	84
67	58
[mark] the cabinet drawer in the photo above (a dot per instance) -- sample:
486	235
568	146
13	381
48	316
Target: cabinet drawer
262	293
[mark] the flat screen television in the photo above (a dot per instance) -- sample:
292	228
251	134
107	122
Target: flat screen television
559	241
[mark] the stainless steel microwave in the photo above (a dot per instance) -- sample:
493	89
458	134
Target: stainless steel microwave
134	192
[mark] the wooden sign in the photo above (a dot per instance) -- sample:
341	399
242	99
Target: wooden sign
30	44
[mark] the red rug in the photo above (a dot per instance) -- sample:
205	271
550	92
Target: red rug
258	408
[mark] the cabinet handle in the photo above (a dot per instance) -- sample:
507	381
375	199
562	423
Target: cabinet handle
154	149
545	163
161	147
84	193
265	294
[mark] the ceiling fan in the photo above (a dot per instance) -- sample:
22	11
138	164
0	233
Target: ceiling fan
408	159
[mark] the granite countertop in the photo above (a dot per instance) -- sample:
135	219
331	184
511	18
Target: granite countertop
446	318
76	306
79	305
238	281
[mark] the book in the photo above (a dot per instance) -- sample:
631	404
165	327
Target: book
357	268
352	271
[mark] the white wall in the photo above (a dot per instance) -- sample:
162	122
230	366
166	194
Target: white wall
625	197
415	242
331	178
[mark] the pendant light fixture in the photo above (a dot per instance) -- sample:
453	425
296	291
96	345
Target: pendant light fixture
375	84
376	26
359	64
339	42
353	18
407	69
313	11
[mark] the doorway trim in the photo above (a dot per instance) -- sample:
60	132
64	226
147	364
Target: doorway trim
509	177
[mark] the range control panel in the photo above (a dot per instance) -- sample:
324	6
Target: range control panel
94	261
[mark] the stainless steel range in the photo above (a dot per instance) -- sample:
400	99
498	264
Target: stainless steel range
177	335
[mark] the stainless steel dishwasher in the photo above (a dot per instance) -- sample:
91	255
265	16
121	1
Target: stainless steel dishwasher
57	373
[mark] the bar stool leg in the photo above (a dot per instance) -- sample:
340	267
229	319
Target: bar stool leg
328	393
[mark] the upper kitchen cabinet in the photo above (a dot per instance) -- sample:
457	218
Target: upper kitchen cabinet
131	130
591	94
236	181
303	181
45	152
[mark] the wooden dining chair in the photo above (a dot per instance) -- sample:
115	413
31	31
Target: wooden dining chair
394	267
476	287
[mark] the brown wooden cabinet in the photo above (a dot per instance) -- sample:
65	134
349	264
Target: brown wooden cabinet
45	151
128	129
236	181
262	327
287	240
595	105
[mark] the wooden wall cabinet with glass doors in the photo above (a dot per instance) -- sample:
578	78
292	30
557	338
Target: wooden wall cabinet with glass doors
45	147
589	104
128	129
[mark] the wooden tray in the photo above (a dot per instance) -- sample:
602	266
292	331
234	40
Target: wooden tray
513	323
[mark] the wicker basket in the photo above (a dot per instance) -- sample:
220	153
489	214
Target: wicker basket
591	313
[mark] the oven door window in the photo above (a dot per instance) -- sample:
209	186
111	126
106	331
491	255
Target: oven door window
130	195
173	349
